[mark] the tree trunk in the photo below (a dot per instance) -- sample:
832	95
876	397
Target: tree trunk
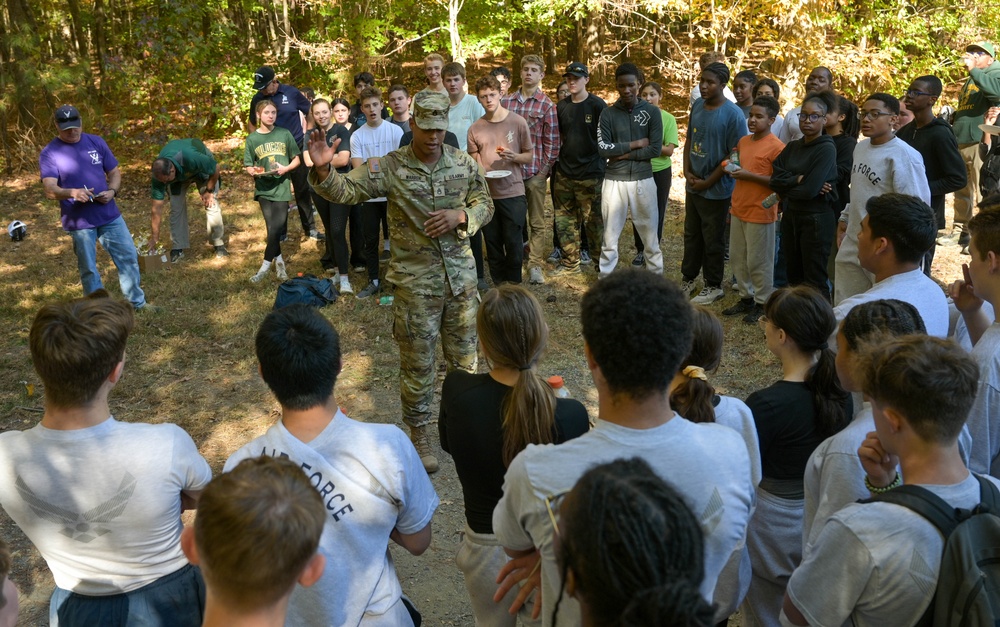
24	45
457	51
551	62
100	43
287	29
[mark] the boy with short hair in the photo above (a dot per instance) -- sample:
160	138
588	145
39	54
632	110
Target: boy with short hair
372	140
101	499
362	81
500	141
256	535
399	104
465	109
531	103
369	476
982	284
502	74
706	59
433	63
883	163
751	235
716	127
877	563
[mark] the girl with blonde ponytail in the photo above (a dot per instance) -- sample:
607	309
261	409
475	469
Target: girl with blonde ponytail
487	419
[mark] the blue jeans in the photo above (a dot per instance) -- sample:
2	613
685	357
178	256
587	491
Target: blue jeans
115	239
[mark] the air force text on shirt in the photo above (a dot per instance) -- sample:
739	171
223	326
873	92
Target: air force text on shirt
865	170
335	502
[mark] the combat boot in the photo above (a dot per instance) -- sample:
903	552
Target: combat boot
421	442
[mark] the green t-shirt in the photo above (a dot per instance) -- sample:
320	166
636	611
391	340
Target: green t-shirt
669	137
269	150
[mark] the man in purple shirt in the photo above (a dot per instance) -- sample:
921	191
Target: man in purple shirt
79	170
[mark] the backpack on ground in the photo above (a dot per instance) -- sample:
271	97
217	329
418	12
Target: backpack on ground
989	175
968	587
305	289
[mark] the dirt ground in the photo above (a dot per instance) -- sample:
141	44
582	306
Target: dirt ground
193	364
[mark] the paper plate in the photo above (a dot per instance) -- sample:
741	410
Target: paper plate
498	174
990	129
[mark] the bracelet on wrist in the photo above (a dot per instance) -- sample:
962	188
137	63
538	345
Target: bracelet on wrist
898	481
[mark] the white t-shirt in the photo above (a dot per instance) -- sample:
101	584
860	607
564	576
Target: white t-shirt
890	167
961	335
368	141
875	564
734	413
913	287
696	94
984	417
102	504
461	117
371	481
789	130
706	463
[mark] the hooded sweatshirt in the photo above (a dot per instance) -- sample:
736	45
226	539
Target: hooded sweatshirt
618	127
816	162
943	162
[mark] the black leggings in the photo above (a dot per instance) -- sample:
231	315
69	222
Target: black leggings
372	214
334	217
275	214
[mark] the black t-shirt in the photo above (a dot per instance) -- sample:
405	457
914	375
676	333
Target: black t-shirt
845	163
341	131
578	122
471	431
785	418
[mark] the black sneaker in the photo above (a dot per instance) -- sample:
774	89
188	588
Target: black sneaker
754	314
220	251
316	235
639	260
744	305
176	255
370	290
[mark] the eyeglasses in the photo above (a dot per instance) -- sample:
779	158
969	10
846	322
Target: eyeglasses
872	114
915	93
552	504
812	117
762	322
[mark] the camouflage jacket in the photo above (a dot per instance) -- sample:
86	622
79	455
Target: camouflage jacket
421	264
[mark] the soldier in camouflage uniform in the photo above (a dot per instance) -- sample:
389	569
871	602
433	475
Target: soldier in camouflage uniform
576	195
437	198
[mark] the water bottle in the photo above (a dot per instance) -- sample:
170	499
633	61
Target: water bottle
558	386
769	201
732	164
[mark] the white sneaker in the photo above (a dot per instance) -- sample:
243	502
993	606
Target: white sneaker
282	274
708	295
345	287
687	287
257	278
535	276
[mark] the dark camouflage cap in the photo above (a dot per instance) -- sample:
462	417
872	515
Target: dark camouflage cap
430	110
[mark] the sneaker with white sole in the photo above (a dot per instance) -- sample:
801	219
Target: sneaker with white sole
370	290
554	257
639	260
687	287
535	276
585	257
257	278
708	295
345	287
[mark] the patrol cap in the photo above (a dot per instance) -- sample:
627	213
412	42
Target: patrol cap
982	46
67	117
430	110
576	69
263	76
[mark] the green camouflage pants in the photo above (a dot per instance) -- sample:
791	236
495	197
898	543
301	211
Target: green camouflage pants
577	202
418	322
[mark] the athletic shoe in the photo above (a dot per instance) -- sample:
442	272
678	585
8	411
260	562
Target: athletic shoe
220	252
149	310
535	276
385	256
176	255
708	295
370	290
482	285
554	257
754	314
282	274
359	268
316	235
964	239
742	306
687	287
585	257
639	260
257	278
345	287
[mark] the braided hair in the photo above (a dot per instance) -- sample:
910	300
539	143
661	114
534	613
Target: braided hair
634	547
883	317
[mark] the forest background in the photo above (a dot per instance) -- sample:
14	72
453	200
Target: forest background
145	70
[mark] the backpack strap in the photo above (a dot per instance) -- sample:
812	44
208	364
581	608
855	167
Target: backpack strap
924	502
989	495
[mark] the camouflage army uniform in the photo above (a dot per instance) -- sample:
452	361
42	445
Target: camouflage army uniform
577	202
435	278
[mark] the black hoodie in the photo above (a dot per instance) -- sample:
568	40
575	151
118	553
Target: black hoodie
816	162
943	162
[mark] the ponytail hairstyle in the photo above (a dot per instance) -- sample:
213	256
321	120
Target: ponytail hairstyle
513	333
851	124
807	318
634	547
694	398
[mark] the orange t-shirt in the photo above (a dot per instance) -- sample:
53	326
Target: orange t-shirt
756	157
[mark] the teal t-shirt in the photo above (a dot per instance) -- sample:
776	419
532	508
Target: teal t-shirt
669	137
268	150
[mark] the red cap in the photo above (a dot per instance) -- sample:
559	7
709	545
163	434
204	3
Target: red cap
555	381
